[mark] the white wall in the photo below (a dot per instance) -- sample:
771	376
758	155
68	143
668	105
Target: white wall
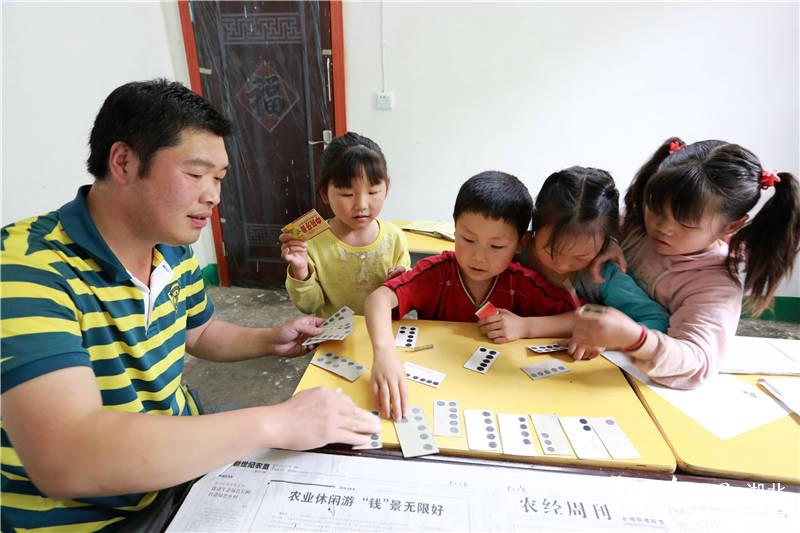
60	61
533	88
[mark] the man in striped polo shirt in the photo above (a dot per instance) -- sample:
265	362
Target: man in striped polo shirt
100	301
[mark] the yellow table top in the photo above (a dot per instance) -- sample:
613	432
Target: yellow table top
767	453
423	244
593	388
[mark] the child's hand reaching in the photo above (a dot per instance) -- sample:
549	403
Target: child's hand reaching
505	326
395	271
597	325
580	352
295	252
389	385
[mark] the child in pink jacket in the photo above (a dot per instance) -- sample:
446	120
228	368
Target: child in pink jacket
691	245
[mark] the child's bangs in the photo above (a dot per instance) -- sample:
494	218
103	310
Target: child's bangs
684	191
358	162
566	235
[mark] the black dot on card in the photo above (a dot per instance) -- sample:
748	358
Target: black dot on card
551	449
436	383
489	357
421	427
403	328
440	402
492	353
451	403
545	435
523	426
423	436
408	375
521	418
487	420
525	434
546	371
526	441
418	418
453	410
320	359
482	366
490	428
359	367
408	344
453	430
487	413
350	363
335	366
415	377
328	354
374	436
454	422
610	422
482	349
548	442
374	444
486	361
428	447
583	421
427	381
492	445
561	368
491	436
376	413
587	428
539	373
413	328
336	357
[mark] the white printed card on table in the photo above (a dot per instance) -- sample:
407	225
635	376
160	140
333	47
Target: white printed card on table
339	365
551	435
614	438
482	359
414	434
447	418
425	376
516	434
482	434
406	337
547	348
545	369
584	440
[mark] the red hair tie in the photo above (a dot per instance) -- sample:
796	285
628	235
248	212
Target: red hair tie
674	146
768	178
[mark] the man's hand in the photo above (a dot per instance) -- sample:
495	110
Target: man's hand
505	326
287	340
295	252
316	417
389	385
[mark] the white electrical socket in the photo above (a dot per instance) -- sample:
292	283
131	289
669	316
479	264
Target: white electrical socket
384	100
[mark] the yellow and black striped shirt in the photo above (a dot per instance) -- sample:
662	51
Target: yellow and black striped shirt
66	300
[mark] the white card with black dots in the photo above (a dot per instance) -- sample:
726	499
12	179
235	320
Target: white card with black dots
516	434
339	319
547	348
337	327
482	434
614	438
414	434
339	365
375	441
423	375
546	369
551	435
482	359
406	337
447	418
584	440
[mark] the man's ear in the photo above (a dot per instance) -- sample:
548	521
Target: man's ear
523	242
122	163
736	225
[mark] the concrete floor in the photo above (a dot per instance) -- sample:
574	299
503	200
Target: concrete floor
270	380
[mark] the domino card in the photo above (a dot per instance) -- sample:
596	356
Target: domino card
447	418
375	441
423	375
584	440
414	434
336	328
547	348
614	438
307	226
482	359
406	337
482	434
487	309
339	365
516	434
546	369
551	435
341	318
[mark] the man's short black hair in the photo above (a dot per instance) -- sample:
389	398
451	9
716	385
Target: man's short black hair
496	195
148	116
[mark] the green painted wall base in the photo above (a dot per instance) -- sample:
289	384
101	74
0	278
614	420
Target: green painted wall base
211	274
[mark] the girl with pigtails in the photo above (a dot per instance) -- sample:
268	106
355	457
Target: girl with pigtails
691	243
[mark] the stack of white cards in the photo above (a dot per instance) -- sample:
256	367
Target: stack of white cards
338	326
339	365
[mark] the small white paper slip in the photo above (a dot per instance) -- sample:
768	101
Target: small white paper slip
546	369
415	435
614	439
551	435
447	418
406	336
482	434
482	359
584	440
375	441
516	434
423	375
547	348
339	365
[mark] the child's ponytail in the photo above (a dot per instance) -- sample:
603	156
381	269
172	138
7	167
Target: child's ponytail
770	243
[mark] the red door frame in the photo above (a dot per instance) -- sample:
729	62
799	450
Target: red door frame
339	109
